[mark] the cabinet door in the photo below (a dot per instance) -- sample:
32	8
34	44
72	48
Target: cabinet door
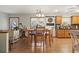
74	20
67	34
60	33
58	19
78	20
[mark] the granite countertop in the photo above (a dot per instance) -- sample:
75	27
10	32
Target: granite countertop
67	29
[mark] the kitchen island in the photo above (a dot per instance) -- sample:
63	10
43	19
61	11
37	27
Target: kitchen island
64	33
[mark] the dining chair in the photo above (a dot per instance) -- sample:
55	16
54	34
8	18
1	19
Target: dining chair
31	36
40	37
25	35
48	38
75	43
51	36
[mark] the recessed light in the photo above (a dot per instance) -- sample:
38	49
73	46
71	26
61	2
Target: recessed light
56	10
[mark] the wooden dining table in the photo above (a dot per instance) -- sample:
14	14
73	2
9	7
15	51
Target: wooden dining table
32	33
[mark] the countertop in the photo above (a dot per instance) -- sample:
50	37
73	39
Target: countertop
4	31
67	29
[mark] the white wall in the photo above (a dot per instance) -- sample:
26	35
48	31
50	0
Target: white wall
3	21
66	20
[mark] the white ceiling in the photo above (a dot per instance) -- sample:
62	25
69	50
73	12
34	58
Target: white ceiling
31	9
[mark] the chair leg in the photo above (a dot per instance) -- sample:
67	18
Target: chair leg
73	50
35	44
43	46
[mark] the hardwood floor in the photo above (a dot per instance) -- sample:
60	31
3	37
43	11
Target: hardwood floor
62	45
59	45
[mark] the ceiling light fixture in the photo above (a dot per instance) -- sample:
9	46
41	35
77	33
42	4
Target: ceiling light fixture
39	13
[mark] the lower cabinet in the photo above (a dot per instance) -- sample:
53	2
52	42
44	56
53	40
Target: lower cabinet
62	33
67	34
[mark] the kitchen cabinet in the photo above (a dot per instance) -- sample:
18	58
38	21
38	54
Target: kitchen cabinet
78	19
58	20
62	33
75	20
66	34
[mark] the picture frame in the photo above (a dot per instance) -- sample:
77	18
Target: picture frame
14	20
50	20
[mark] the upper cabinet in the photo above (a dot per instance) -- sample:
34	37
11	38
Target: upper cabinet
58	20
78	20
75	20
